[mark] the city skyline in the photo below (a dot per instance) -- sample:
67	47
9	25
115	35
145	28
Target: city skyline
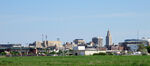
26	21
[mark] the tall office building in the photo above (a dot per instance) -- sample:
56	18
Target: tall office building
108	39
98	41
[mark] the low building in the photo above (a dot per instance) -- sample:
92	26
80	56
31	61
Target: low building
9	45
37	44
116	47
82	50
90	44
69	46
46	44
98	41
133	44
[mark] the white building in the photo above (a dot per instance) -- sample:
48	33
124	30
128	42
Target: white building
81	50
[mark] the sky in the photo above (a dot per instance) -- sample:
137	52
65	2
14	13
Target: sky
24	21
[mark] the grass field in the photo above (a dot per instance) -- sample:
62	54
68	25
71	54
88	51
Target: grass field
76	61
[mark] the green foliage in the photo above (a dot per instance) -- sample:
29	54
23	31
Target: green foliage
142	49
60	52
53	52
14	53
144	54
3	53
109	53
148	49
46	53
99	54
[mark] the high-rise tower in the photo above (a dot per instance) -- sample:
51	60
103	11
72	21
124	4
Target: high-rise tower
108	39
98	41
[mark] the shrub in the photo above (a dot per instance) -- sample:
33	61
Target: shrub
52	52
109	53
14	53
99	54
148	49
144	54
3	53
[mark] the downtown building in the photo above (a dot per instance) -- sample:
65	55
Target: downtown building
69	45
46	44
133	44
94	46
98	41
108	40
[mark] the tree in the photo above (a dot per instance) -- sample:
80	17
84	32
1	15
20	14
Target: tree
142	49
60	52
148	49
14	53
3	53
52	52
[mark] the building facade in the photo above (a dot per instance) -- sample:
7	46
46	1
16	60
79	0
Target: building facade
98	41
108	39
79	41
133	44
82	50
69	46
46	44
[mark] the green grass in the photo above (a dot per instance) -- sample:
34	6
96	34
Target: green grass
76	61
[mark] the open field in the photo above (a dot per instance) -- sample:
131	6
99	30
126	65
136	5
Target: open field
76	61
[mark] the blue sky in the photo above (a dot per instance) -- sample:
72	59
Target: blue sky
24	21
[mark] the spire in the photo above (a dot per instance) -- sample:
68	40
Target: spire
108	33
